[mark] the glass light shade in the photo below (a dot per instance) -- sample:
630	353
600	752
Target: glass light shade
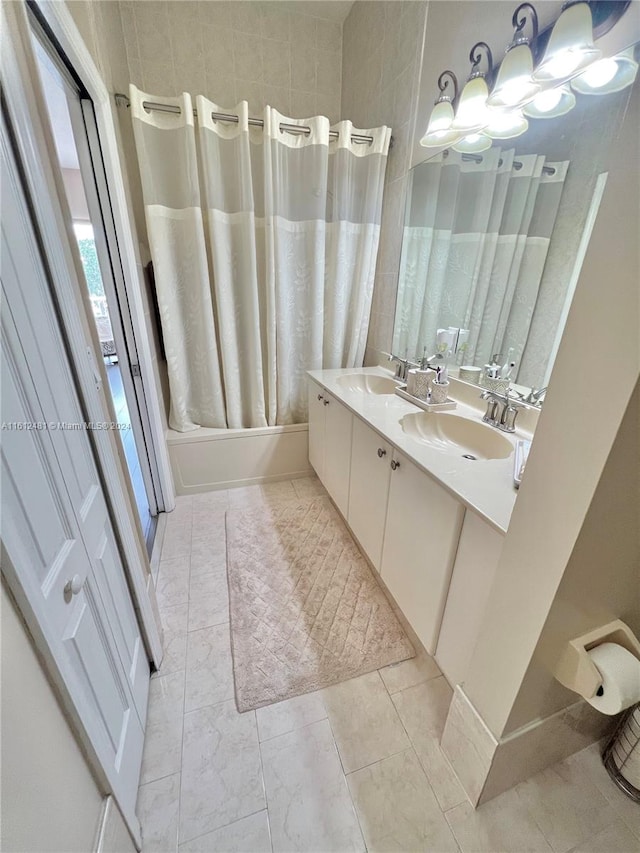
439	128
505	125
551	103
473	143
606	76
471	114
514	85
570	47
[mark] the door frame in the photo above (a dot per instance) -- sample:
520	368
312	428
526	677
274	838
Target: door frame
27	117
59	20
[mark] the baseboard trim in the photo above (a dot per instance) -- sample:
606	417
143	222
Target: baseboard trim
487	766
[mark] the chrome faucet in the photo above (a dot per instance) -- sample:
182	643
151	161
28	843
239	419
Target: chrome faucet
535	396
502	411
403	366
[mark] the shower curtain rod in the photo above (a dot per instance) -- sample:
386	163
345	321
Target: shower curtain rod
123	101
517	165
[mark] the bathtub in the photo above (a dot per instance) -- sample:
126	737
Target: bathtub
208	459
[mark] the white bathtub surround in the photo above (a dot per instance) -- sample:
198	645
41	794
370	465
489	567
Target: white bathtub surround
306	609
270	271
210	459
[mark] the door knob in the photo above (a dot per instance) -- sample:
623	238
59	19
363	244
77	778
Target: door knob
319	396
381	452
326	402
394	464
74	585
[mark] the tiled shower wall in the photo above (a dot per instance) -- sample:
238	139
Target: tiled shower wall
366	70
261	52
382	56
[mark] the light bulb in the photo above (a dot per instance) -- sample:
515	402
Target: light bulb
506	125
473	143
547	101
600	73
608	75
511	92
552	103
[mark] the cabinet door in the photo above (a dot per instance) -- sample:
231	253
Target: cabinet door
473	571
316	428
337	451
420	541
369	488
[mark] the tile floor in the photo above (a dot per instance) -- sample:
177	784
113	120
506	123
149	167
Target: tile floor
351	768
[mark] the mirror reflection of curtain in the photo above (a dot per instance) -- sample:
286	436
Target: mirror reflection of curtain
264	246
475	243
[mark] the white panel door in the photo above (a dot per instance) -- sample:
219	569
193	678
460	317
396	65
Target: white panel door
337	451
316	427
369	488
420	541
56	527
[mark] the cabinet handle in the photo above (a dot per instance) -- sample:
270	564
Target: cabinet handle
381	452
326	402
394	464
319	396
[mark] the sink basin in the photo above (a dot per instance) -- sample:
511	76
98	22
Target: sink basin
457	435
367	382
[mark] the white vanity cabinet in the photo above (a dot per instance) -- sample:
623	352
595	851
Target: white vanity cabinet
330	426
473	572
316	427
369	488
420	540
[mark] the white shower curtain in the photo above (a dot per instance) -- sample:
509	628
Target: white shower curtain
264	245
475	244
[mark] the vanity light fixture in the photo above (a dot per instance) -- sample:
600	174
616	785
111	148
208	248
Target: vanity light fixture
472	112
551	103
515	85
570	47
607	75
439	128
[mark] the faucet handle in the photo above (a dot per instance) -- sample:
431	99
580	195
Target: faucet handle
509	415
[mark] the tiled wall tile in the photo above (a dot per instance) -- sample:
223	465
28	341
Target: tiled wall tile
229	51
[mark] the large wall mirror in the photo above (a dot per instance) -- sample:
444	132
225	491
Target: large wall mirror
494	241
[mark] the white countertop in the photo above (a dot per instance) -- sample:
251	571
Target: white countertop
485	486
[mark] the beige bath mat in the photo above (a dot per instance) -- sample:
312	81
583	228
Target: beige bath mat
306	609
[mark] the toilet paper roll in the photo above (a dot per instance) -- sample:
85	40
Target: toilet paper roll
620	672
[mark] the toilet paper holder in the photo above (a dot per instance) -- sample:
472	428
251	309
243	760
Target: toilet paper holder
576	670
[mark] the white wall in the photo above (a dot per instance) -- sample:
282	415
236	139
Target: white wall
50	801
545	568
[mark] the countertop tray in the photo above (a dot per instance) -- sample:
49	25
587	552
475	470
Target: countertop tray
447	406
